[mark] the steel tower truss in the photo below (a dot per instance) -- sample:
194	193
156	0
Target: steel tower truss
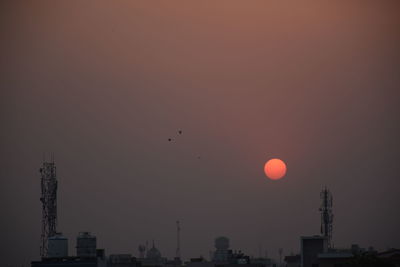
49	204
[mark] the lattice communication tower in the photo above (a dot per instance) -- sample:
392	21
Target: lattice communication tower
49	203
326	215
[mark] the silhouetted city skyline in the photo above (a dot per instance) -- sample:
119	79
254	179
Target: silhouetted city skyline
314	251
166	111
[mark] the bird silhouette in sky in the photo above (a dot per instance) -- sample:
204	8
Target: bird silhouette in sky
180	133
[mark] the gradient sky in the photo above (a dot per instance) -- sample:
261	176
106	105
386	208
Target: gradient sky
104	84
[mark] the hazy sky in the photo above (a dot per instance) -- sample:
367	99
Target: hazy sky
103	85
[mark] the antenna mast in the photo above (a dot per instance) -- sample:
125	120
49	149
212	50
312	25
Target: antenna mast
326	215
178	240
280	256
49	203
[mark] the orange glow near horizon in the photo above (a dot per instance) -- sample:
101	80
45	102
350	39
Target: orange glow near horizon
275	169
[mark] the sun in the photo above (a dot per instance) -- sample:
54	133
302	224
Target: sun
275	169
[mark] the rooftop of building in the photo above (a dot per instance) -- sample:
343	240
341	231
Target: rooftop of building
335	255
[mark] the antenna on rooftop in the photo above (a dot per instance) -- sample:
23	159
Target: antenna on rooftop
178	240
326	215
49	203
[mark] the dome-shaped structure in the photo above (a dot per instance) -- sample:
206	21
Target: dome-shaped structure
153	253
222	243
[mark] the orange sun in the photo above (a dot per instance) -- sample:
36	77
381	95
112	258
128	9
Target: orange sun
275	169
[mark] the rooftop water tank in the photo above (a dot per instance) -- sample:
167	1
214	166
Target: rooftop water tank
222	243
86	245
57	246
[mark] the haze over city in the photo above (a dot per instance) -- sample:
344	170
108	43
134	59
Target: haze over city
106	86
